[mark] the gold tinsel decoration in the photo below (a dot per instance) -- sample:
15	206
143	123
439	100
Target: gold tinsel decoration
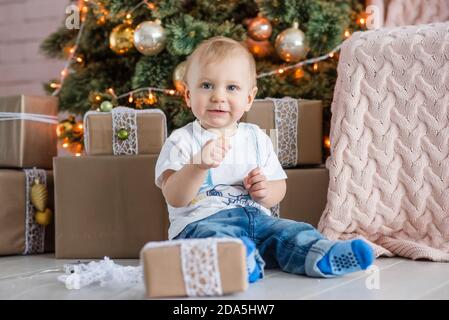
39	196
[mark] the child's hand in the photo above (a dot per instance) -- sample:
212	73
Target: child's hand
212	153
256	184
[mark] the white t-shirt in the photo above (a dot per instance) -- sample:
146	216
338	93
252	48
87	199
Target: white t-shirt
223	187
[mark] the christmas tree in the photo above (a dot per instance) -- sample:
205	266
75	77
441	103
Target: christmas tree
131	53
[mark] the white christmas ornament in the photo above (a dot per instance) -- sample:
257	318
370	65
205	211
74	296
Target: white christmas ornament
150	38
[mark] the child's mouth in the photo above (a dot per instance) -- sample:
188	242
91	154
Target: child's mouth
217	111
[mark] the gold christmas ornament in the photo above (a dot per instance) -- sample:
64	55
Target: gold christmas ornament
178	76
121	38
150	38
290	44
259	49
39	196
43	217
260	28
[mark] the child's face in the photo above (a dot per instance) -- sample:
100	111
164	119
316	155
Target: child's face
220	92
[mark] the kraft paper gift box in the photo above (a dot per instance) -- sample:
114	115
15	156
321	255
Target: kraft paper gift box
306	194
19	233
146	130
194	267
299	127
107	206
28	131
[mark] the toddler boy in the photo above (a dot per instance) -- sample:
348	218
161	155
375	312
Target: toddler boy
220	177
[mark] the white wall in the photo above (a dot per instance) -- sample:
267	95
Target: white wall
23	26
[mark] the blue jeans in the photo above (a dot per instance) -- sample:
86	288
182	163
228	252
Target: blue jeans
292	246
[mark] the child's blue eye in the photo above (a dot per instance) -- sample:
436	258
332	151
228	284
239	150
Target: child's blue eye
232	87
206	85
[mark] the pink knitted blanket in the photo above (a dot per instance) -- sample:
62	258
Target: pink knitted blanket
389	163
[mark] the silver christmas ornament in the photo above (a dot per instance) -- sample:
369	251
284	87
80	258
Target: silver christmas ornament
290	44
150	38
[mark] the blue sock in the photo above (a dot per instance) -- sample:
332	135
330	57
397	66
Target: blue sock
346	257
255	272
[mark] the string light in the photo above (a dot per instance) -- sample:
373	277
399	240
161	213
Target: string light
315	67
327	142
347	33
151	97
299	73
301	63
98	98
112	92
101	20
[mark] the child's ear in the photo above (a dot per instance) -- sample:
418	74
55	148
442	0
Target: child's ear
251	96
187	94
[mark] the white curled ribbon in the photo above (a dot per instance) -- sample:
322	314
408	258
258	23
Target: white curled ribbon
9	116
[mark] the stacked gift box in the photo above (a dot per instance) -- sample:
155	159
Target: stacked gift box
27	146
295	128
106	202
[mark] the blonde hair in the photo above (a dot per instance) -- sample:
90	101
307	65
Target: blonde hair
218	48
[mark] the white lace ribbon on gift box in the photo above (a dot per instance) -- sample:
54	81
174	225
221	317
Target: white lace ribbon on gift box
199	261
122	118
286	124
34	233
8	116
285	142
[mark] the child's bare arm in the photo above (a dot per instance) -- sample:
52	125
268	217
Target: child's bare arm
180	187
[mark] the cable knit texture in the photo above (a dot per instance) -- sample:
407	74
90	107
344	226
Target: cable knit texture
407	12
389	163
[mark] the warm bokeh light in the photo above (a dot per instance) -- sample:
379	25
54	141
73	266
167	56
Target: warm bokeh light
299	73
327	142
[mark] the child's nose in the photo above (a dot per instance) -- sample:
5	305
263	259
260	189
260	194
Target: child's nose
218	95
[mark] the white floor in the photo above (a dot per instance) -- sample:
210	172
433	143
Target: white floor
34	277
